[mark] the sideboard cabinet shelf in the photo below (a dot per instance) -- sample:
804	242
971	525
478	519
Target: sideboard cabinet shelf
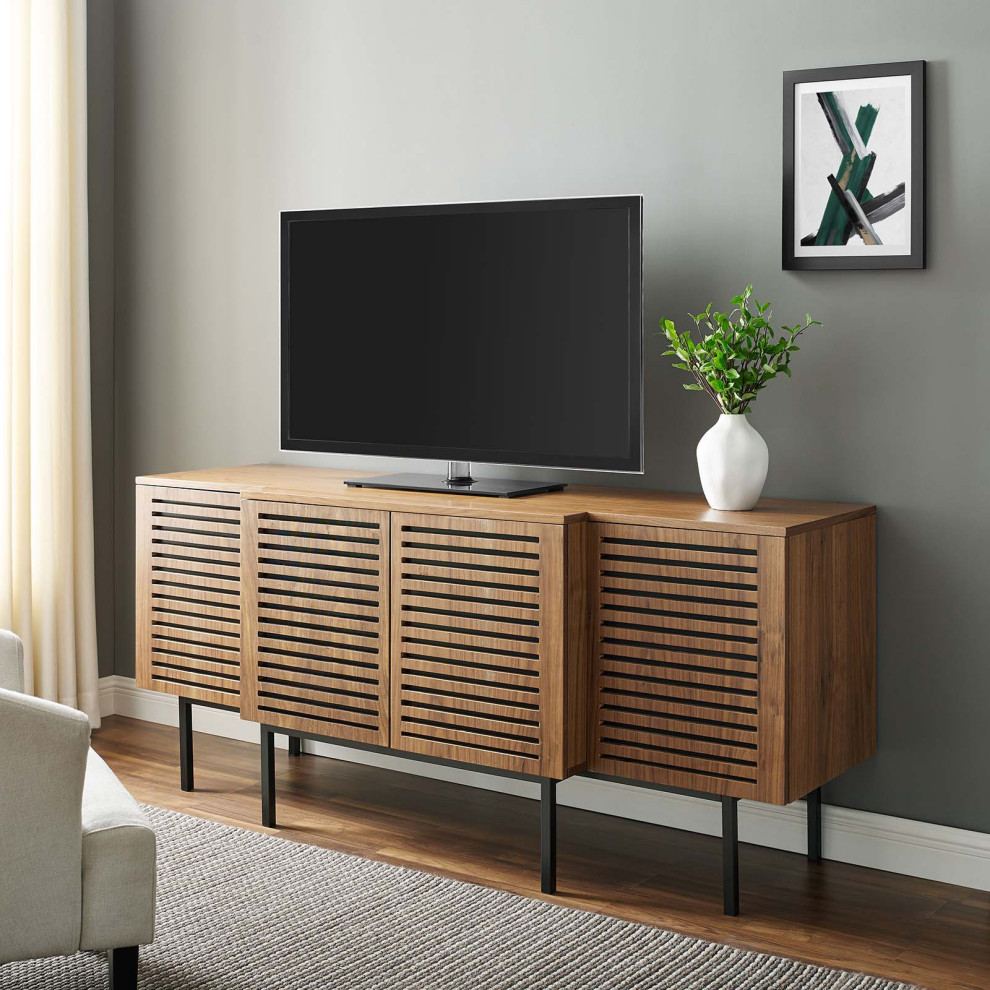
637	636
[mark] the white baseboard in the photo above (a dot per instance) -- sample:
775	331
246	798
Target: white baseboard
898	845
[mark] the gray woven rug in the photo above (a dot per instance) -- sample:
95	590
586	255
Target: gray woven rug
239	910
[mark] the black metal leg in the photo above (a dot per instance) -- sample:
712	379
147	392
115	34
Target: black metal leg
730	855
123	968
267	777
185	744
548	836
814	800
295	746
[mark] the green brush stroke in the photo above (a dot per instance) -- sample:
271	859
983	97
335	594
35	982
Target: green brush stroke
835	220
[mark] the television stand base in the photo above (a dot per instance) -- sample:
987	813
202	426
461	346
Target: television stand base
492	487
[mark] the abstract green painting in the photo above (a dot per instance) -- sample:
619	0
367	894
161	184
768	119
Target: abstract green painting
854	167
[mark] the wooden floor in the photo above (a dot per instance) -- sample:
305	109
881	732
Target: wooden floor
931	934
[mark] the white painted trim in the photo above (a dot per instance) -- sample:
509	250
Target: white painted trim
898	845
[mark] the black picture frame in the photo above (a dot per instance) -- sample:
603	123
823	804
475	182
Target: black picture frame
916	258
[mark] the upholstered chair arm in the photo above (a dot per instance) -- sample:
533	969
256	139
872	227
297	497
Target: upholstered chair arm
43	752
11	662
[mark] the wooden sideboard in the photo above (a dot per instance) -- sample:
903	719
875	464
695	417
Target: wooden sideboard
636	636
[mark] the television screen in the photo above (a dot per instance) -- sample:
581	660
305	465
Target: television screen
506	333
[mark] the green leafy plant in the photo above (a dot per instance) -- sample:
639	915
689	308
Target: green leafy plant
739	354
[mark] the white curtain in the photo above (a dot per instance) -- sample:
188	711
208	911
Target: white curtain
46	492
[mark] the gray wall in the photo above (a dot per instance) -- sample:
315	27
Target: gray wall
228	112
100	160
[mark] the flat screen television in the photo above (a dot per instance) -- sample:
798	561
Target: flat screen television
507	333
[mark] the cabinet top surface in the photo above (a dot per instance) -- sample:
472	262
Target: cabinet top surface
678	510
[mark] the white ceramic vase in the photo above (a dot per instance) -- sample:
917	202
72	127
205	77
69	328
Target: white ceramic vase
732	462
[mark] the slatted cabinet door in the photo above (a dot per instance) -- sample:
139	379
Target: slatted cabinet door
316	619
476	641
188	620
676	658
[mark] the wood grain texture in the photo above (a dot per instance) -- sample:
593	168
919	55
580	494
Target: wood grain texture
289	483
188	594
478	641
725	652
831	636
676	692
576	667
316	607
774	666
834	914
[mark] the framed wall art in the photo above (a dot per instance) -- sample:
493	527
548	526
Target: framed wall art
854	167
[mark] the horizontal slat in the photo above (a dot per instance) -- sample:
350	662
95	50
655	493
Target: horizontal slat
663	688
360	615
417	680
675	553
165	522
273	586
702	591
672	618
226	672
703	539
447	698
337	635
744	687
705	611
461	637
644	651
187	608
677	573
475	657
676	760
195	497
361	703
165	588
295	706
167	623
507	605
190	675
474	737
474	721
226	653
224	547
664	638
360	581
337	557
175	578
517	548
343	679
477	672
652	701
681	743
703	728
501	587
321	537
367	669
507	568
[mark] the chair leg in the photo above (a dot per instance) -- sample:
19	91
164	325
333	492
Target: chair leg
295	746
123	968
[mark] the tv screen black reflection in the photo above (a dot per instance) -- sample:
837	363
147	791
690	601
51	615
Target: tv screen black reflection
506	333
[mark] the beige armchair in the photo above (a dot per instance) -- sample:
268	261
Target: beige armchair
77	855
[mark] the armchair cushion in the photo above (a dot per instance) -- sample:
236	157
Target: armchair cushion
118	864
